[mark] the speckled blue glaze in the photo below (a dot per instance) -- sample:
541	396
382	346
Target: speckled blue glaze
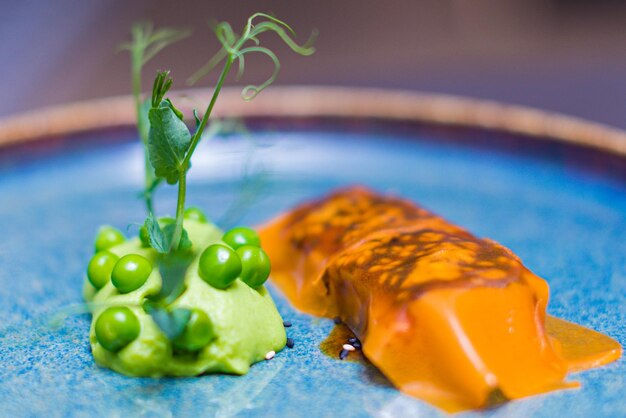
567	226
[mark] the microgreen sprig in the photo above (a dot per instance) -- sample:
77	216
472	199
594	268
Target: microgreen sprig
171	145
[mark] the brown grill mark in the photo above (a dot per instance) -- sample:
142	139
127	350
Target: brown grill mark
395	246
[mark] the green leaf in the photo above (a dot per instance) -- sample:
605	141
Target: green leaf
172	323
160	87
173	269
156	238
172	265
184	244
174	109
168	142
161	238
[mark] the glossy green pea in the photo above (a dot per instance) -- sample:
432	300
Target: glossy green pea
219	266
108	237
100	267
195	214
116	327
255	265
198	332
240	236
130	272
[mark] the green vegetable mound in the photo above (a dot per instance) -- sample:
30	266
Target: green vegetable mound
243	323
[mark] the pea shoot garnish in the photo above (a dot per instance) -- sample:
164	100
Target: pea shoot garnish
170	147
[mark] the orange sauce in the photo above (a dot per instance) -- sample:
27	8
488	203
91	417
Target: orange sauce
333	344
447	317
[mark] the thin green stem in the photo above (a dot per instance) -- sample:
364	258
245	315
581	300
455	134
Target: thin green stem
136	75
182	180
142	129
205	119
180	211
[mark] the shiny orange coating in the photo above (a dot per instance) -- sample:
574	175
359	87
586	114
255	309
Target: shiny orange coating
450	318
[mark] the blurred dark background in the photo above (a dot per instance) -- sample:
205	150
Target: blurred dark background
562	55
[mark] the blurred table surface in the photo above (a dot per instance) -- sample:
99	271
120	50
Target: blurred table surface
560	55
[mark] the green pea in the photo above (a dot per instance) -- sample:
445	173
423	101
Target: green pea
240	236
108	237
198	332
255	265
130	272
219	266
195	214
116	327
100	268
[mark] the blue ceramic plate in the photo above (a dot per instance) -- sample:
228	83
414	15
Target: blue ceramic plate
561	209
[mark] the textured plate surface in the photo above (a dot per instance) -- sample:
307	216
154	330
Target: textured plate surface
566	224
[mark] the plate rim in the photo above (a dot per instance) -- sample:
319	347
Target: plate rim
320	102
